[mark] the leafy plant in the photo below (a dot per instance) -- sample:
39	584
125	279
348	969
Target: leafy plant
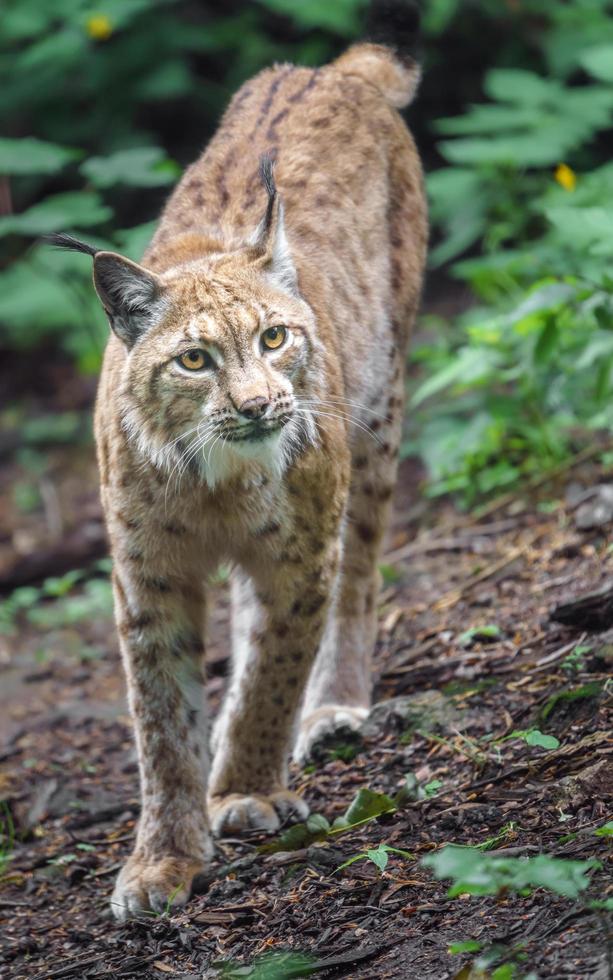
367	806
269	966
474	872
574	662
379	856
606	830
508	386
7	836
532	736
95	158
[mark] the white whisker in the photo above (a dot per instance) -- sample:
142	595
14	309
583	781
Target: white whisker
342	418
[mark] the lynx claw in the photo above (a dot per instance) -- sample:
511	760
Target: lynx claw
145	886
237	812
331	722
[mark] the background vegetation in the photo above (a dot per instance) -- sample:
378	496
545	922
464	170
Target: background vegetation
105	102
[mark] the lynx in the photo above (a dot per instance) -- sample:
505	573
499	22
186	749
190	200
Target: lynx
249	412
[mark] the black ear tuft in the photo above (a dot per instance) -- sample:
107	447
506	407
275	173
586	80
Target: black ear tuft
395	23
267	166
70	243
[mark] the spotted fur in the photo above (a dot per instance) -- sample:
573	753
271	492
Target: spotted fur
331	245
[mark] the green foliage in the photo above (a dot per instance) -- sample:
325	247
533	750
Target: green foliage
474	872
483	634
584	692
270	966
59	603
379	856
106	93
367	806
606	830
532	736
315	828
511	382
7	837
574	662
467	946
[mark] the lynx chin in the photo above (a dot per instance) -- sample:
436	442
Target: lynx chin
249	412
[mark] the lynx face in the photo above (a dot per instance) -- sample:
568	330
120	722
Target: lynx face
222	356
228	369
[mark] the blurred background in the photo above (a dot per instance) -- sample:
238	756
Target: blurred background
104	103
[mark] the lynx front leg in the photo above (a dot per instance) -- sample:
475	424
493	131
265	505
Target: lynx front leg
160	623
339	692
289	604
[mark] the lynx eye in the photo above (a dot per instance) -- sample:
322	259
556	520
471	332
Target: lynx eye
274	337
195	359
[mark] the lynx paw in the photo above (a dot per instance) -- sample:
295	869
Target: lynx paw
152	886
332	722
235	813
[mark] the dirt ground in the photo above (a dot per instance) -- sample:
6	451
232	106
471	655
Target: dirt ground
69	781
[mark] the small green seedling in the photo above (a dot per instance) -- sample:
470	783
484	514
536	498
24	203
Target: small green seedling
606	830
468	946
532	736
378	856
480	634
575	661
509	830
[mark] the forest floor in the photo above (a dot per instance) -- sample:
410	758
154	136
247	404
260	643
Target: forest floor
467	654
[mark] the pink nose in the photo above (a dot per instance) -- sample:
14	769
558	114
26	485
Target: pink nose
254	408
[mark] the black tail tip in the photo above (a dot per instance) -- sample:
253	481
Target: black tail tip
395	23
60	240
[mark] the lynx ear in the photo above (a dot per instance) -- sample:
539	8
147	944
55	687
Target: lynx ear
130	295
270	237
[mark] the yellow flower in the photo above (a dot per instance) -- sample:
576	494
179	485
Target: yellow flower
565	177
99	27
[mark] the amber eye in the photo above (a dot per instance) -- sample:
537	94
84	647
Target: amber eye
195	360
274	337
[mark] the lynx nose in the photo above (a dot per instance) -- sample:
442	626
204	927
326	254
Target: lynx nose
254	408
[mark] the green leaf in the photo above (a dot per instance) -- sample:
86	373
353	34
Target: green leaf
532	736
145	166
316	828
366	806
545	741
471	364
468	946
378	857
520	85
547	297
485	633
316	823
598	61
504	972
602	904
59	212
33	156
606	830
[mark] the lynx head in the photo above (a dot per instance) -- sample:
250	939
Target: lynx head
220	352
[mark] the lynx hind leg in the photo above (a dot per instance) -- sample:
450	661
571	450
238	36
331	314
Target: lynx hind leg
339	691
